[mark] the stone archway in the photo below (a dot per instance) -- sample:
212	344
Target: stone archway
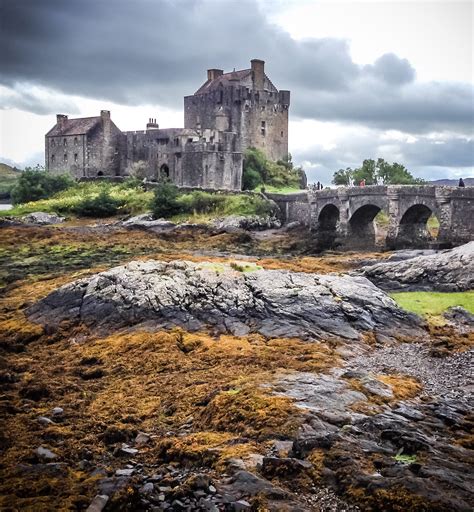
328	221
413	230
361	227
164	172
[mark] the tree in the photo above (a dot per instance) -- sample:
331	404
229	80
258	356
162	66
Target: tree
165	201
37	183
343	177
374	172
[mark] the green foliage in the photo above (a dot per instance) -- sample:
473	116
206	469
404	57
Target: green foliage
405	459
200	202
259	170
35	184
133	199
434	303
102	205
165	200
376	172
8	179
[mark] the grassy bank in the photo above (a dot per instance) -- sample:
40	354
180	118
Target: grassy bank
131	199
434	303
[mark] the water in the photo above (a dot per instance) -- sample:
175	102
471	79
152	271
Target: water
6	206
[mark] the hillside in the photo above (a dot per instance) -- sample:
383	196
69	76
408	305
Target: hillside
469	182
8	177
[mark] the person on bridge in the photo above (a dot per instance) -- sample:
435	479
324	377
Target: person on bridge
362	183
461	183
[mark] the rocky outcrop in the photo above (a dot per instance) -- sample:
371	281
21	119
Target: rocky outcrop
249	223
42	218
449	271
274	303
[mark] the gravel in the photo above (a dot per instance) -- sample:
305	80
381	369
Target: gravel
451	376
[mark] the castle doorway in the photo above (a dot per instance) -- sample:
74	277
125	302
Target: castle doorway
164	171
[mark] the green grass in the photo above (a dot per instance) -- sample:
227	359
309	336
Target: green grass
135	199
280	190
405	459
433	303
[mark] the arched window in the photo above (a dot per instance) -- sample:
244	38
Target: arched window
100	173
165	171
65	157
64	142
76	141
75	157
53	143
52	159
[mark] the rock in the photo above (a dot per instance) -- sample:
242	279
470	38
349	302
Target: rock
98	503
45	454
244	483
459	316
126	451
293	225
45	421
249	223
375	387
240	506
146	221
147	488
284	467
275	303
407	254
42	218
449	271
142	439
125	472
58	411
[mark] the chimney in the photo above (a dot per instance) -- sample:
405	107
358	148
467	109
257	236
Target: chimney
212	74
61	120
105	115
258	72
152	124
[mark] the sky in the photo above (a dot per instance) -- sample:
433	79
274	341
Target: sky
368	79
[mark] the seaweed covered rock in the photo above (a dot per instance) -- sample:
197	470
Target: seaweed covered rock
274	303
449	271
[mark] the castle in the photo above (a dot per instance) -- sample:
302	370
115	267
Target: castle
229	113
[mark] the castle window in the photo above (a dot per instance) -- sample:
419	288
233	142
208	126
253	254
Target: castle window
262	129
176	142
281	133
75	157
190	140
64	142
53	143
262	108
75	141
52	159
65	157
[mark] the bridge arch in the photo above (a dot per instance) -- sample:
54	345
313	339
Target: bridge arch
361	232
327	225
413	226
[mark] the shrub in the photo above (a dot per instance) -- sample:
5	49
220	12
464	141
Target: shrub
35	184
165	201
102	205
200	202
251	179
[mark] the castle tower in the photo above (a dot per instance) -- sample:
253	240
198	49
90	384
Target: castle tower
254	108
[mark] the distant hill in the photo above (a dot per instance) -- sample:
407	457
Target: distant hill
469	182
8	177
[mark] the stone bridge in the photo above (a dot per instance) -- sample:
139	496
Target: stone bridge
345	216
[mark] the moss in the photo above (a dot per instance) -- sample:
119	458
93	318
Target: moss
434	303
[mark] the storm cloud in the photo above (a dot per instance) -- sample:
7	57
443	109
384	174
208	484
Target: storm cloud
157	51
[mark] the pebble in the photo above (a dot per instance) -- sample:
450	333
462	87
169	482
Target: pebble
98	503
58	411
45	421
125	472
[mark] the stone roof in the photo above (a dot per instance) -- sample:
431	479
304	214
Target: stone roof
77	126
225	79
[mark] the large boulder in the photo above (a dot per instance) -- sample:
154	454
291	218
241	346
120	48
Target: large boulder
451	270
274	303
42	218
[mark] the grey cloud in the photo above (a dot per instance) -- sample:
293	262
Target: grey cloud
37	102
157	51
426	157
392	69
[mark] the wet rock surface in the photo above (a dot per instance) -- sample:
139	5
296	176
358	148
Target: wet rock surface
272	302
448	271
